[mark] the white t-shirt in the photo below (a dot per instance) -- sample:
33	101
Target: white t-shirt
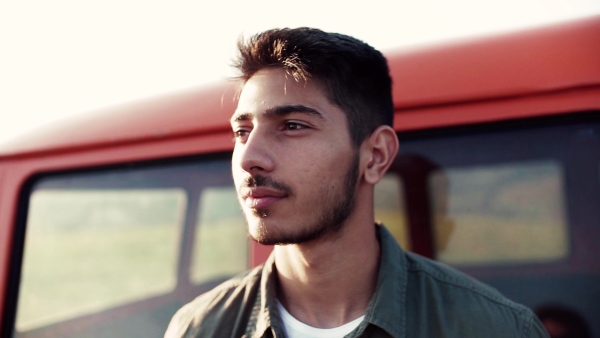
296	329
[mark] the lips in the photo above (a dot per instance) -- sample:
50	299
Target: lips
261	197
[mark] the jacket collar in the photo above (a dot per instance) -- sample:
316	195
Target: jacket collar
264	321
387	306
385	310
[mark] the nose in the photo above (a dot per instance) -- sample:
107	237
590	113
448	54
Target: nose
255	155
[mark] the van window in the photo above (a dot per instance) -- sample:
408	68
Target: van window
116	251
501	194
222	244
89	250
513	204
506	213
390	208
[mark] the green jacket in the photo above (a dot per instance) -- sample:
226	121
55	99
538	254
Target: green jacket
415	297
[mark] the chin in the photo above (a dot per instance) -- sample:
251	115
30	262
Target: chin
257	229
260	232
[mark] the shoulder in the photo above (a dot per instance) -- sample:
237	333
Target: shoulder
459	303
214	310
425	270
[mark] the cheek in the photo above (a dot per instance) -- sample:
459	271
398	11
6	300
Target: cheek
323	169
235	157
236	168
237	177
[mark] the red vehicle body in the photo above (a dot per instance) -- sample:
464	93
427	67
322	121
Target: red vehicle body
495	93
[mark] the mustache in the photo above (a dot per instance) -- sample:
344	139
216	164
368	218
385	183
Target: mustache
268	182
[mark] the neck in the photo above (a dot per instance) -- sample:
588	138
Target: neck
330	281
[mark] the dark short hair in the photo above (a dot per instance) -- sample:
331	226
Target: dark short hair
355	75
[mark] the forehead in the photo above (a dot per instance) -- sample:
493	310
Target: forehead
272	87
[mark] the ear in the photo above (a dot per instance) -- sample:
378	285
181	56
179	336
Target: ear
378	152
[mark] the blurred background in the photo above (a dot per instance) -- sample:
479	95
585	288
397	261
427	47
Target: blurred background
65	57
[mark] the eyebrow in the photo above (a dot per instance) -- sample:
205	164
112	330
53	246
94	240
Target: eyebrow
280	111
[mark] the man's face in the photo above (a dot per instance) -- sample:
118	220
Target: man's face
293	165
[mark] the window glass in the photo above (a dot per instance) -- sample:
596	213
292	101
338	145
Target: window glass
117	251
390	208
90	249
221	236
509	213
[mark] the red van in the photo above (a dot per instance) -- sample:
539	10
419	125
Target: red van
113	220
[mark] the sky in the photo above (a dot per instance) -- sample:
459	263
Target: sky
60	58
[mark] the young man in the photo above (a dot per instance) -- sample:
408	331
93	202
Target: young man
313	136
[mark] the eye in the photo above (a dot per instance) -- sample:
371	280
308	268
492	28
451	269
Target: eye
241	135
294	126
